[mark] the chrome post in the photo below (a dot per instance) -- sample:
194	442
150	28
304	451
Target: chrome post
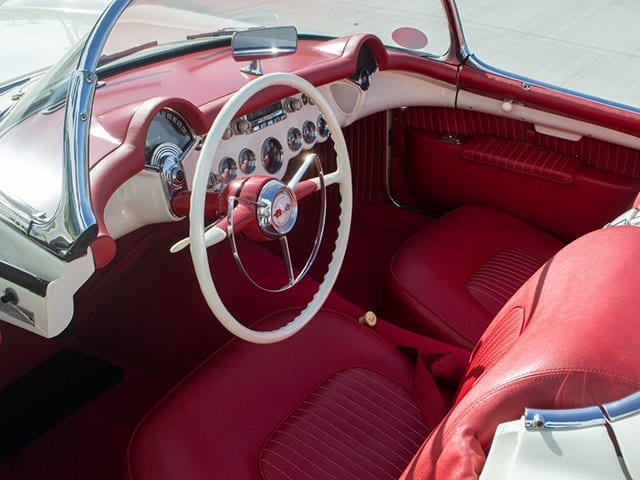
73	226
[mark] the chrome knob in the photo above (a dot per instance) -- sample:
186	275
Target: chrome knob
228	133
293	104
176	175
242	126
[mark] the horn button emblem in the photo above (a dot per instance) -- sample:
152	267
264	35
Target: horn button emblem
277	209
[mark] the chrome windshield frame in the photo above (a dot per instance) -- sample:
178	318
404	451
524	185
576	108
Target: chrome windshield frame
71	229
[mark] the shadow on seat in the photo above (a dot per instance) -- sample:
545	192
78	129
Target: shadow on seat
339	401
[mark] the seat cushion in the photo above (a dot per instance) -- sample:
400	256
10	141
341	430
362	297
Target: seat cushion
313	406
451	278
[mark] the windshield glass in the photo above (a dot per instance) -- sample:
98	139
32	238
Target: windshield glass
152	24
586	46
35	33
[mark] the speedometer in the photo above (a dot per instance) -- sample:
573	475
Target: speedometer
167	126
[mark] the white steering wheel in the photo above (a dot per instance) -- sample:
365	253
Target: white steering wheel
262	211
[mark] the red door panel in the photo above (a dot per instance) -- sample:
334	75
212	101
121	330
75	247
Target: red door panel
446	158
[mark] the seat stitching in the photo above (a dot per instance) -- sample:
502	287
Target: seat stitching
376	381
313	449
345	397
318	406
301	419
378	405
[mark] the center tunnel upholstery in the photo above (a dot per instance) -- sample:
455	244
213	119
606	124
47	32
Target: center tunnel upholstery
567	338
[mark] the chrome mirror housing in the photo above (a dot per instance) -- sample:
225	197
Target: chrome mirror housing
259	43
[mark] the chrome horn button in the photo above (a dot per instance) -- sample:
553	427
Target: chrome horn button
277	209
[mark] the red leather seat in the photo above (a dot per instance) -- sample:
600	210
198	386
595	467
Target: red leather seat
338	401
310	405
569	338
451	278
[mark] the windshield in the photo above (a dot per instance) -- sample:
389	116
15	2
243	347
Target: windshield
152	24
34	34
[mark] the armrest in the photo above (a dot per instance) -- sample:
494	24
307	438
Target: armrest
522	158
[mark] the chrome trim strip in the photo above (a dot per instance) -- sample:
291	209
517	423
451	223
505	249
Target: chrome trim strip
570	419
623	408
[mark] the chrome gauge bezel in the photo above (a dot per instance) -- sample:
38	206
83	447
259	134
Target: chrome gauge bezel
228	169
309	132
294	139
272	155
247	161
323	127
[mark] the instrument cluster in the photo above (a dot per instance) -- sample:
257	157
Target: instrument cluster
262	142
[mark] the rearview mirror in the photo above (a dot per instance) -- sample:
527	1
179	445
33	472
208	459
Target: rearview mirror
267	42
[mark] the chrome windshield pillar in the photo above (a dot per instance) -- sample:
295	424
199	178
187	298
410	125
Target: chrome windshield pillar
73	226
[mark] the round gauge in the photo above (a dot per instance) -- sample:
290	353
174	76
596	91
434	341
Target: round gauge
323	127
247	161
272	156
228	169
309	131
294	139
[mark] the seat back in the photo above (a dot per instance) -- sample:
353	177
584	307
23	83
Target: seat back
568	338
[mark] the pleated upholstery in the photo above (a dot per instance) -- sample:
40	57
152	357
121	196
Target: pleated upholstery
522	158
357	424
499	278
597	153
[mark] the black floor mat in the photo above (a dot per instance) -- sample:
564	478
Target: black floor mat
47	394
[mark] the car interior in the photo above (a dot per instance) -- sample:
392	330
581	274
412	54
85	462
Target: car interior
469	223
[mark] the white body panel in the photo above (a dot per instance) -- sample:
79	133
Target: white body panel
53	312
517	453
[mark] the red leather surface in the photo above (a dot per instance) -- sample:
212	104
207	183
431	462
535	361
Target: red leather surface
578	346
357	424
429	274
438	175
521	158
217	420
500	276
124	162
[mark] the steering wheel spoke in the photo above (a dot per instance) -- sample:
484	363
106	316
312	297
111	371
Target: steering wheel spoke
218	230
311	159
286	255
